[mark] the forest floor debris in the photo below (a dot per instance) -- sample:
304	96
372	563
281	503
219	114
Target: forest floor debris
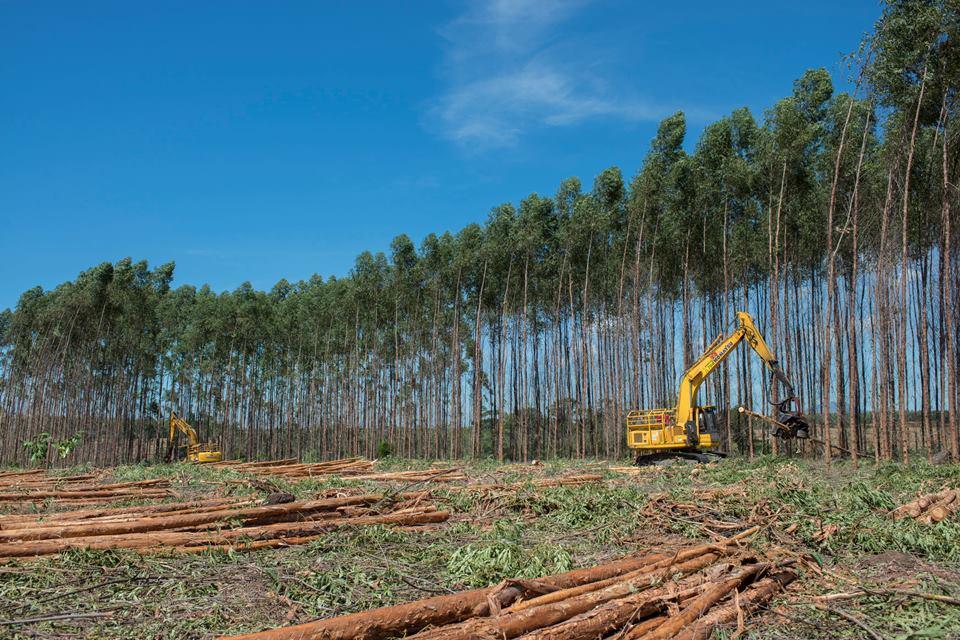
510	528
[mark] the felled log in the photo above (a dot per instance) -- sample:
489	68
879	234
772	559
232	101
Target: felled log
16	473
346	466
249	516
254	465
687	565
409	618
931	508
515	623
942	509
205	540
94	491
646	608
918	506
45	480
292	467
757	595
425	475
402	619
634	471
144	494
543	483
702	554
90	516
700	605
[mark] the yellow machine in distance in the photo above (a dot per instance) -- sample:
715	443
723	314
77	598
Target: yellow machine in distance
196	451
689	430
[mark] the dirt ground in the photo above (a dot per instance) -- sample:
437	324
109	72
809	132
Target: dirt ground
895	579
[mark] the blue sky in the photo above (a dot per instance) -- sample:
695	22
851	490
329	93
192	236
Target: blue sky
258	141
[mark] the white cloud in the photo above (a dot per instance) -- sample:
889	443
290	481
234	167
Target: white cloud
509	70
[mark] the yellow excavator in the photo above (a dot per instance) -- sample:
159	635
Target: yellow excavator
689	430
196	451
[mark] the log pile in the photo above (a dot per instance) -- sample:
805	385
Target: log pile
33	487
445	474
355	468
191	527
541	483
293	468
931	508
106	514
685	594
637	471
39	477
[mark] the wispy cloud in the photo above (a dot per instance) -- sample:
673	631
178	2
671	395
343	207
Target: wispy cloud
510	69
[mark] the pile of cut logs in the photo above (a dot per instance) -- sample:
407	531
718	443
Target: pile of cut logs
541	483
24	488
933	507
686	594
357	468
189	527
293	468
443	474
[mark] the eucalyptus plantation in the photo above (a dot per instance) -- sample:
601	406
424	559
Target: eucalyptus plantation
831	218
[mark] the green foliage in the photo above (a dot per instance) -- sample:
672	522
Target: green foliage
384	449
38	447
502	554
607	511
66	446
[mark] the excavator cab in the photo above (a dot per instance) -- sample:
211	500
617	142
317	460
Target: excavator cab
708	422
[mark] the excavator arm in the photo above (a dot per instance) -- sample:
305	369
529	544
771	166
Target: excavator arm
179	424
789	416
788	409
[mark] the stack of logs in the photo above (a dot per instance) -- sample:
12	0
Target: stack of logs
444	474
293	468
204	525
686	594
356	468
28	488
541	483
933	507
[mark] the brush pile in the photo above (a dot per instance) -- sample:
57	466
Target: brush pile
707	512
931	508
28	488
190	527
686	594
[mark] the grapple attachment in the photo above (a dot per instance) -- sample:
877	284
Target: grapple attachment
790	422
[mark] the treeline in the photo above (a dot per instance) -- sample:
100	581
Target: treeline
832	220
